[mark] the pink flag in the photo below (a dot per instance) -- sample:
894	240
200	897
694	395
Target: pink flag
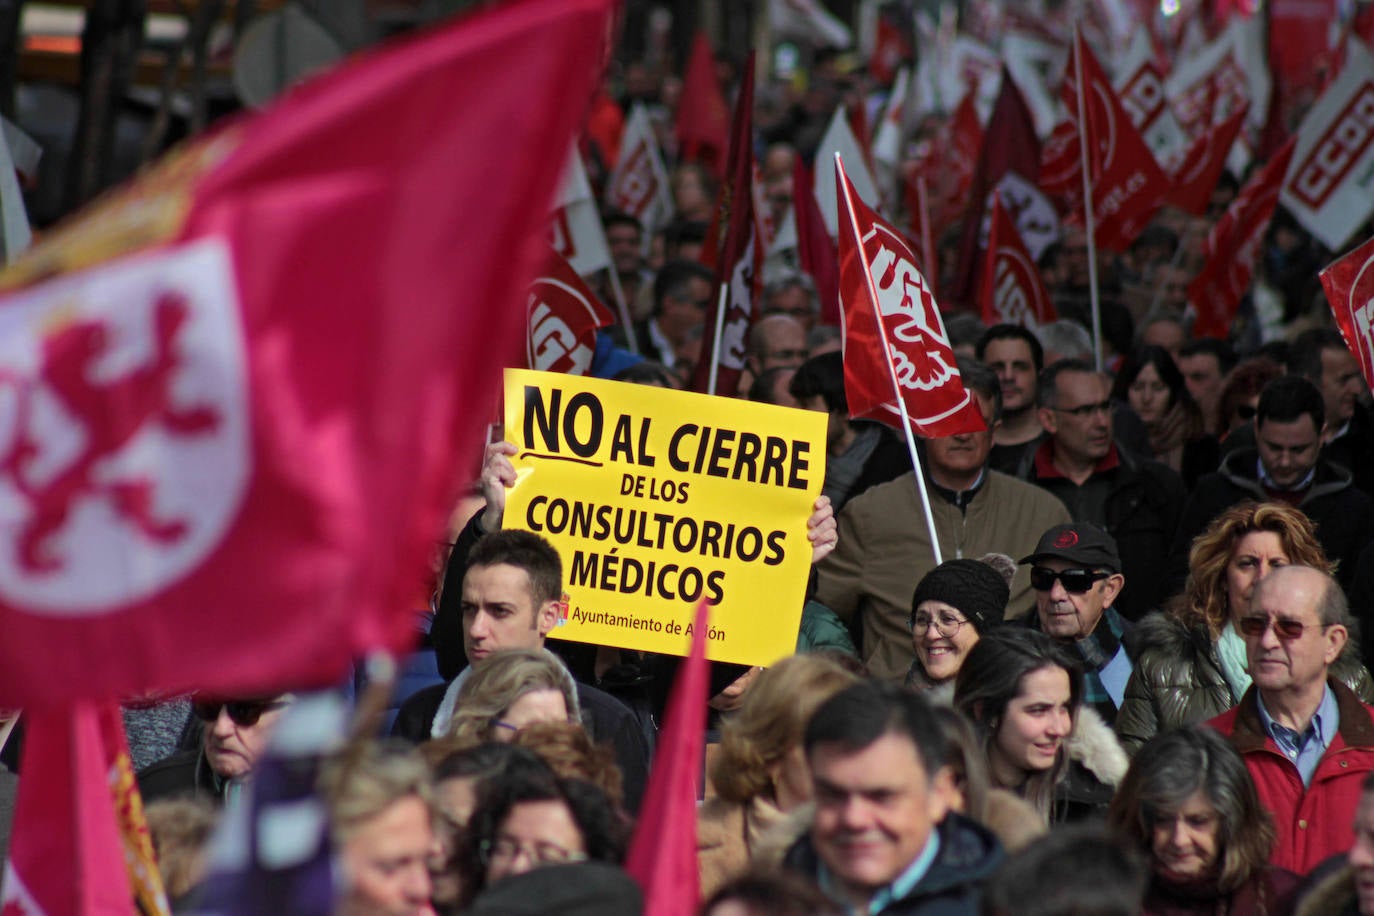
663	853
894	338
1349	285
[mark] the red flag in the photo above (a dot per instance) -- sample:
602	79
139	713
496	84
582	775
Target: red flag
66	857
1010	147
1349	285
703	120
1197	175
1233	246
663	853
946	161
890	50
1013	290
894	337
564	315
739	260
290	355
815	247
1127	183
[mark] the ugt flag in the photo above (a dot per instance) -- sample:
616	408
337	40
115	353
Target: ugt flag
894	339
1349	285
236	396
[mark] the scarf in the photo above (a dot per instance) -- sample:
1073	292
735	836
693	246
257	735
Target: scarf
1167	435
1234	662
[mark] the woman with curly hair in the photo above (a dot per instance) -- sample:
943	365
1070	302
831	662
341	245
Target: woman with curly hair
1189	804
1190	660
760	772
510	690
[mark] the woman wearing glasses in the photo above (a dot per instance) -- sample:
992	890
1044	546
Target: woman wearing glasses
1042	744
1190	660
953	605
1190	805
510	690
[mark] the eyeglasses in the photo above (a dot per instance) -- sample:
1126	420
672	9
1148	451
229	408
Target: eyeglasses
945	624
243	712
1087	410
1286	628
508	849
1075	581
512	727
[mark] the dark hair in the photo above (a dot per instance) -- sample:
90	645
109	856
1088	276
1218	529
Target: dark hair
1013	332
1305	352
486	760
1168	372
673	279
1246	380
990	679
604	831
621	218
1168	771
773	891
824	376
684	232
1079	869
978	378
856	717
1287	398
646	372
964	328
1047	387
526	551
1211	346
761	390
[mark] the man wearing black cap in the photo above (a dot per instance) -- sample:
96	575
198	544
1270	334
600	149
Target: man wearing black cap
1076	574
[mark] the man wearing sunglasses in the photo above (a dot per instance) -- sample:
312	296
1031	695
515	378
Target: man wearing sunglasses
234	735
1076	574
1306	738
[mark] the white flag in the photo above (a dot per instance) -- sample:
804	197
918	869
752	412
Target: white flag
639	184
577	233
1140	85
840	139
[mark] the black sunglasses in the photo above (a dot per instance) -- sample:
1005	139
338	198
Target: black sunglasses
1075	581
1285	628
243	712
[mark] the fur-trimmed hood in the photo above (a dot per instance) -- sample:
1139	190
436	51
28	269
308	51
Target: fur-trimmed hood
1330	895
1094	745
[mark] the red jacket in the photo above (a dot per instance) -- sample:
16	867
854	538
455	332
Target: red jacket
1312	822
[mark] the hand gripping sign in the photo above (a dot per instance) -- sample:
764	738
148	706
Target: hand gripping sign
656	499
1349	285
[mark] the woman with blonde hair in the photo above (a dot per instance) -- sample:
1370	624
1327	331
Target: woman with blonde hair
510	690
760	773
1190	660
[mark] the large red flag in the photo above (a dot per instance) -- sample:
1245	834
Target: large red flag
1128	186
241	411
734	247
1349	285
703	119
564	315
663	853
1013	290
815	247
894	338
1196	175
1010	161
1233	246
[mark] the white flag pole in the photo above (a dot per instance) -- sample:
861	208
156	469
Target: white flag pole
716	336
1087	201
891	368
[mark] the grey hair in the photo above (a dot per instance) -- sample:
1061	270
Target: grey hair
786	278
1067	338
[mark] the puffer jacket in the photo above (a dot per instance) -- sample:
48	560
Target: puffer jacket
1177	680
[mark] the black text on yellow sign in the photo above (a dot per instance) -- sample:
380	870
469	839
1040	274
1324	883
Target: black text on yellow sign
656	499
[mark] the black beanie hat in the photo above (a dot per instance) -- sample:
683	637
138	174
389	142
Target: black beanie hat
971	587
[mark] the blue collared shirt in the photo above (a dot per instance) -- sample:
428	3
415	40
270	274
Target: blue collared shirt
1267	481
1306	749
902	885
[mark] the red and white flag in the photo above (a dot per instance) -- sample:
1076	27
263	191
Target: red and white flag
1349	285
1330	189
894	339
1013	290
946	162
1197	173
239	394
1233	247
639	184
815	246
1139	82
575	229
887	140
564	315
839	138
1127	183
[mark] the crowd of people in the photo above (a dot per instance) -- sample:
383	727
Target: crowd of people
1137	684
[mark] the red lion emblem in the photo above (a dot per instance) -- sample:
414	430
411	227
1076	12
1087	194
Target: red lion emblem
110	414
1066	539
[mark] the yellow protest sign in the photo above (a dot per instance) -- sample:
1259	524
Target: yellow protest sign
656	498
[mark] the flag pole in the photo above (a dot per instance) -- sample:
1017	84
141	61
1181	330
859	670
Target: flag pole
891	368
625	319
716	336
1087	200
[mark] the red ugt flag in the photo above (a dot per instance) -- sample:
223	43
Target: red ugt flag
564	315
237	415
1201	167
894	338
1349	285
1233	246
1013	290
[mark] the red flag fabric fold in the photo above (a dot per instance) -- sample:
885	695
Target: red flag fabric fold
663	852
1013	290
894	338
815	247
703	119
1196	176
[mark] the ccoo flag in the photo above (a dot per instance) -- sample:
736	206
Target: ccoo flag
238	394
